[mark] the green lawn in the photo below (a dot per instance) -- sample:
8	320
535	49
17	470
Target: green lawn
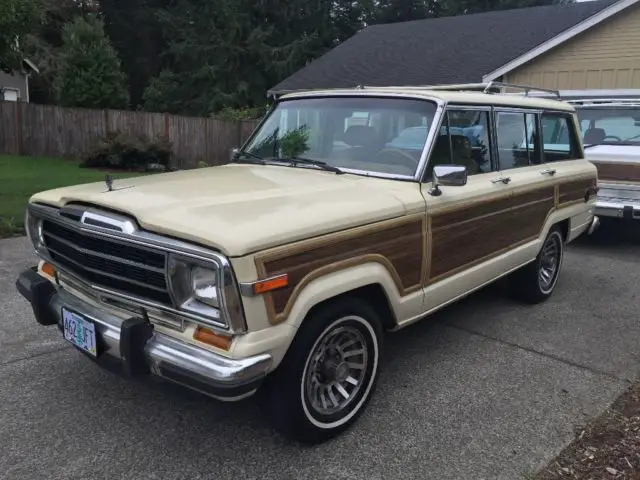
21	177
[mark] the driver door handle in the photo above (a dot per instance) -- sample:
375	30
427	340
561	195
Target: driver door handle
504	180
549	171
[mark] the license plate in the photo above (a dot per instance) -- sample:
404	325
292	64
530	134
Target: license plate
79	332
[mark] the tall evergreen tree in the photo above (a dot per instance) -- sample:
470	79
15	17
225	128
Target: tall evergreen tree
135	32
43	44
89	73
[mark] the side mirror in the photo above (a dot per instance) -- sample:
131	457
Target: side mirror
234	153
448	176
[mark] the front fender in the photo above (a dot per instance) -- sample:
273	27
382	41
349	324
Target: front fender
276	339
342	281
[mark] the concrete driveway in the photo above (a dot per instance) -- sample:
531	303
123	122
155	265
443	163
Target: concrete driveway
487	389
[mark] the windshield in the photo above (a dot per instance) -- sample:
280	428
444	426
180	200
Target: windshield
379	135
610	125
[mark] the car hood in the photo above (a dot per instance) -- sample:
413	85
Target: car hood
240	209
613	153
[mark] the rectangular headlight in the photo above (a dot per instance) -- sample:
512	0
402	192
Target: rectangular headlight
206	289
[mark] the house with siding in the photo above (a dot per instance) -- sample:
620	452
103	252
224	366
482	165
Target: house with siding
14	86
585	45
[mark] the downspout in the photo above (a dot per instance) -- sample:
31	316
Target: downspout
26	85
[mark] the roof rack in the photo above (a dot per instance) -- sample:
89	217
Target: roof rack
490	87
610	102
487	87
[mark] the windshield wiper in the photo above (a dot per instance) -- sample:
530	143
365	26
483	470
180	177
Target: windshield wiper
308	161
249	158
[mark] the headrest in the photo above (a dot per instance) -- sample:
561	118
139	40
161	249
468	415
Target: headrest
594	135
360	135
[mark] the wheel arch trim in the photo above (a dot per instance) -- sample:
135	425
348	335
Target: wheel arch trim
341	278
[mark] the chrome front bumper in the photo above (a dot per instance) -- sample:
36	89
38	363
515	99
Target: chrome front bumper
134	345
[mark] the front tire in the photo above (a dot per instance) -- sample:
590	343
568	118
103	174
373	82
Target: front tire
535	282
328	376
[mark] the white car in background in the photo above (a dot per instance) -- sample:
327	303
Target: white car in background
610	128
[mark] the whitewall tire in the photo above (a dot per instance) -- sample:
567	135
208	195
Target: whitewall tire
329	373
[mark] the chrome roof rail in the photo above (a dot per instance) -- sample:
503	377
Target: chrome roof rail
485	87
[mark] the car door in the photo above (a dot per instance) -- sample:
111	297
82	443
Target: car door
519	164
548	175
466	225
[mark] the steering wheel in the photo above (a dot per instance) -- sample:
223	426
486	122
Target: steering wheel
613	136
402	157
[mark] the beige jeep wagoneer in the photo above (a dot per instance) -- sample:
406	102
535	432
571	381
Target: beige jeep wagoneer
348	213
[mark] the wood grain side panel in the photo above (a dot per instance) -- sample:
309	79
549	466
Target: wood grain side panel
530	212
398	246
618	172
470	211
570	192
461	236
470	236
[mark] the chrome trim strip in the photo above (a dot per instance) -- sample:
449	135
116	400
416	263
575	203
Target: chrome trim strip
246	288
205	321
113	222
436	125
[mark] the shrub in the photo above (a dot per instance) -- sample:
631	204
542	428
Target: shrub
9	227
229	113
123	151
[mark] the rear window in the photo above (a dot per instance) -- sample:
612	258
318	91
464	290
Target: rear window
610	125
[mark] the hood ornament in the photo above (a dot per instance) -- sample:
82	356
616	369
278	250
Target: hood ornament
108	180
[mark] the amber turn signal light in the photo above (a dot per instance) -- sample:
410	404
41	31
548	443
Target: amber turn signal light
209	337
48	269
270	284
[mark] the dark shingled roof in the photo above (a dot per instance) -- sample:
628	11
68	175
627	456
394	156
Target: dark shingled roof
439	50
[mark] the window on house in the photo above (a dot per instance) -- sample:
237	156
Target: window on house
10	94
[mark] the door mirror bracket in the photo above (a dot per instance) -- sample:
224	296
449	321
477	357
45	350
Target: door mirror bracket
448	176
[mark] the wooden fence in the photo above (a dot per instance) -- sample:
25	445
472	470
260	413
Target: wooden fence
46	130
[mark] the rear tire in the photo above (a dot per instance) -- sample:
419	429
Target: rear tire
535	282
328	375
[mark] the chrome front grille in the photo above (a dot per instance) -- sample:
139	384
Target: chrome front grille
107	262
108	257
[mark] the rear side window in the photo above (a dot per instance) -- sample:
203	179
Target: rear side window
559	138
516	134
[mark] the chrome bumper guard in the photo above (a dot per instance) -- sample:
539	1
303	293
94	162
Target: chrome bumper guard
134	345
595	223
